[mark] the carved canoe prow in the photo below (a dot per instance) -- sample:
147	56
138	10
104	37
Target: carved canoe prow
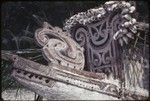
64	77
33	75
60	82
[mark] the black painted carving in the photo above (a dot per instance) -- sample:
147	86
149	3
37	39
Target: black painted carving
101	51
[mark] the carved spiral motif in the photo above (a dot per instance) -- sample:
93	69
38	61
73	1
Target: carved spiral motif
97	44
81	36
59	48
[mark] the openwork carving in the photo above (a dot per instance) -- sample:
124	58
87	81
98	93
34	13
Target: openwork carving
127	27
97	29
59	48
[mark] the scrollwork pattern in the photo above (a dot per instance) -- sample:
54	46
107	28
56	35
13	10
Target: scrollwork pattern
100	47
122	35
59	47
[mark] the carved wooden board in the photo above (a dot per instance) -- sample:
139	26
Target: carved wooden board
97	29
101	50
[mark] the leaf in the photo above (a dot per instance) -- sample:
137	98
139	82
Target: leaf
125	39
121	41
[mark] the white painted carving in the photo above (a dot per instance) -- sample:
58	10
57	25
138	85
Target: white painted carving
59	47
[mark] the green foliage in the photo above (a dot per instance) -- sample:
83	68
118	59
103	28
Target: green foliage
7	81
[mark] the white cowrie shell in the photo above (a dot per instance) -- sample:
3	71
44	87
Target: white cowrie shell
100	8
132	9
120	30
99	15
84	22
109	2
126	10
123	2
128	4
126	24
127	16
133	21
124	31
109	9
114	6
130	22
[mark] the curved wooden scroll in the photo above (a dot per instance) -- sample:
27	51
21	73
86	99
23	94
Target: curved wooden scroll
59	48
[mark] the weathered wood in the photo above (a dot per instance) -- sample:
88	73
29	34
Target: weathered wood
59	47
50	81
